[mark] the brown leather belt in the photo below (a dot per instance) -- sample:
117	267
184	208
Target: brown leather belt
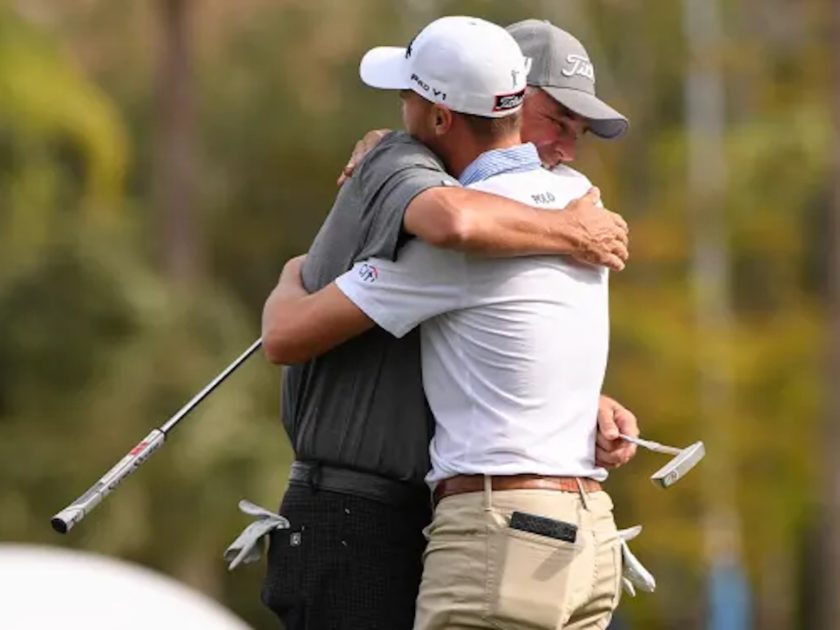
475	483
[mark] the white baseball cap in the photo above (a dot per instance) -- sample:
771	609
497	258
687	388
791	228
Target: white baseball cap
468	64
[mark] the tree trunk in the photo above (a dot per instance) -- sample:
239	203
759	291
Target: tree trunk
173	168
830	579
707	180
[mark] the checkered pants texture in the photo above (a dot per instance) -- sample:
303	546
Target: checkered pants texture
346	562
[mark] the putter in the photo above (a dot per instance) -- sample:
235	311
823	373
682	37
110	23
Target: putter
70	516
686	459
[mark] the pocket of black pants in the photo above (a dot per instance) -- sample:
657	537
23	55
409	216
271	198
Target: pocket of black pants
527	578
284	579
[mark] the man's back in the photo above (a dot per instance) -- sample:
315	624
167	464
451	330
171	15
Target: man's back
514	354
514	350
524	359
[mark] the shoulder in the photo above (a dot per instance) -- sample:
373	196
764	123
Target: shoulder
538	187
395	152
570	176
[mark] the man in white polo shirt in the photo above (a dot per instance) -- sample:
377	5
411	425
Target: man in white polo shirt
513	351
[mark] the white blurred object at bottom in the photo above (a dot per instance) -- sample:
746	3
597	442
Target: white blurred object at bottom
49	587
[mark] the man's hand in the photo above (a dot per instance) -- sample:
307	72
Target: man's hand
610	450
362	148
601	236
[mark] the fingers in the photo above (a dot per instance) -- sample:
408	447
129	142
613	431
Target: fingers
607	427
615	253
590	199
626	422
593	195
621	223
605	459
607	444
360	150
346	173
626	451
620	233
610	450
616	457
613	262
620	249
621	453
604	235
606	437
623	230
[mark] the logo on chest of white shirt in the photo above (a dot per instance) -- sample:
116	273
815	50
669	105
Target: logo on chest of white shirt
543	197
368	273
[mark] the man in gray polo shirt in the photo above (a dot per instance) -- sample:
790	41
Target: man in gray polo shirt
357	416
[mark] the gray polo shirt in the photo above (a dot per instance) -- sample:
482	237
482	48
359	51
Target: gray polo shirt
361	405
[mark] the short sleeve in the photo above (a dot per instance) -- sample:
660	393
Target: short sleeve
390	177
424	282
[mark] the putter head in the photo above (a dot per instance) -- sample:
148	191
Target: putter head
676	469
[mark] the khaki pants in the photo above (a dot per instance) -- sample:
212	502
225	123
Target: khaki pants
479	573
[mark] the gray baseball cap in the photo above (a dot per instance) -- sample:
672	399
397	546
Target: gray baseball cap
561	67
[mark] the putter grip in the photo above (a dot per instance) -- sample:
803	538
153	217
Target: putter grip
70	516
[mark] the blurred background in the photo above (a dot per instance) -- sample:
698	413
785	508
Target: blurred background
161	159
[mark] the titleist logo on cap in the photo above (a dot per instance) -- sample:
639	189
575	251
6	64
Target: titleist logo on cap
508	101
579	65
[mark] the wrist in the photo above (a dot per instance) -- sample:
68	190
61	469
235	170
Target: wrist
565	232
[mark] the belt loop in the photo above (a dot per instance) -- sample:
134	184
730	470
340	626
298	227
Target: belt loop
488	493
583	496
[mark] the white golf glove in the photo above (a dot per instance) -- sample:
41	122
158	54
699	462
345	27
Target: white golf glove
249	544
633	573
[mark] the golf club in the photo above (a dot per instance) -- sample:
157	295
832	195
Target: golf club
70	516
686	459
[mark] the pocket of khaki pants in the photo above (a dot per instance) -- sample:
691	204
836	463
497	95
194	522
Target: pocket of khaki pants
527	579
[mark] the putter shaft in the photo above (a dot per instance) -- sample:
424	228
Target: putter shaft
650	445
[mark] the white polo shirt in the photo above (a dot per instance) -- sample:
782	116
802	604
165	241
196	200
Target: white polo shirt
514	350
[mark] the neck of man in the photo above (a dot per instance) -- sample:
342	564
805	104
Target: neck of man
461	149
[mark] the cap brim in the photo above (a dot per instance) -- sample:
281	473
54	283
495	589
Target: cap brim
385	68
604	121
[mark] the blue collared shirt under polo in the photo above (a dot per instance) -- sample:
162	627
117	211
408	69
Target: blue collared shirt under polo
522	157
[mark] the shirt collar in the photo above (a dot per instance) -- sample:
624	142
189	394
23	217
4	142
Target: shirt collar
522	157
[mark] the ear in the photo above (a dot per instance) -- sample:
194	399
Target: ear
441	119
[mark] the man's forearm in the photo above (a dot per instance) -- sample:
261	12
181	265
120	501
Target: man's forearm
477	222
297	326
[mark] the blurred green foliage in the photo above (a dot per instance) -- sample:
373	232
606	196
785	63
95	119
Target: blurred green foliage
98	345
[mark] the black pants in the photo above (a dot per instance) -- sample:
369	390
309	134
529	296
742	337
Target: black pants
346	563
